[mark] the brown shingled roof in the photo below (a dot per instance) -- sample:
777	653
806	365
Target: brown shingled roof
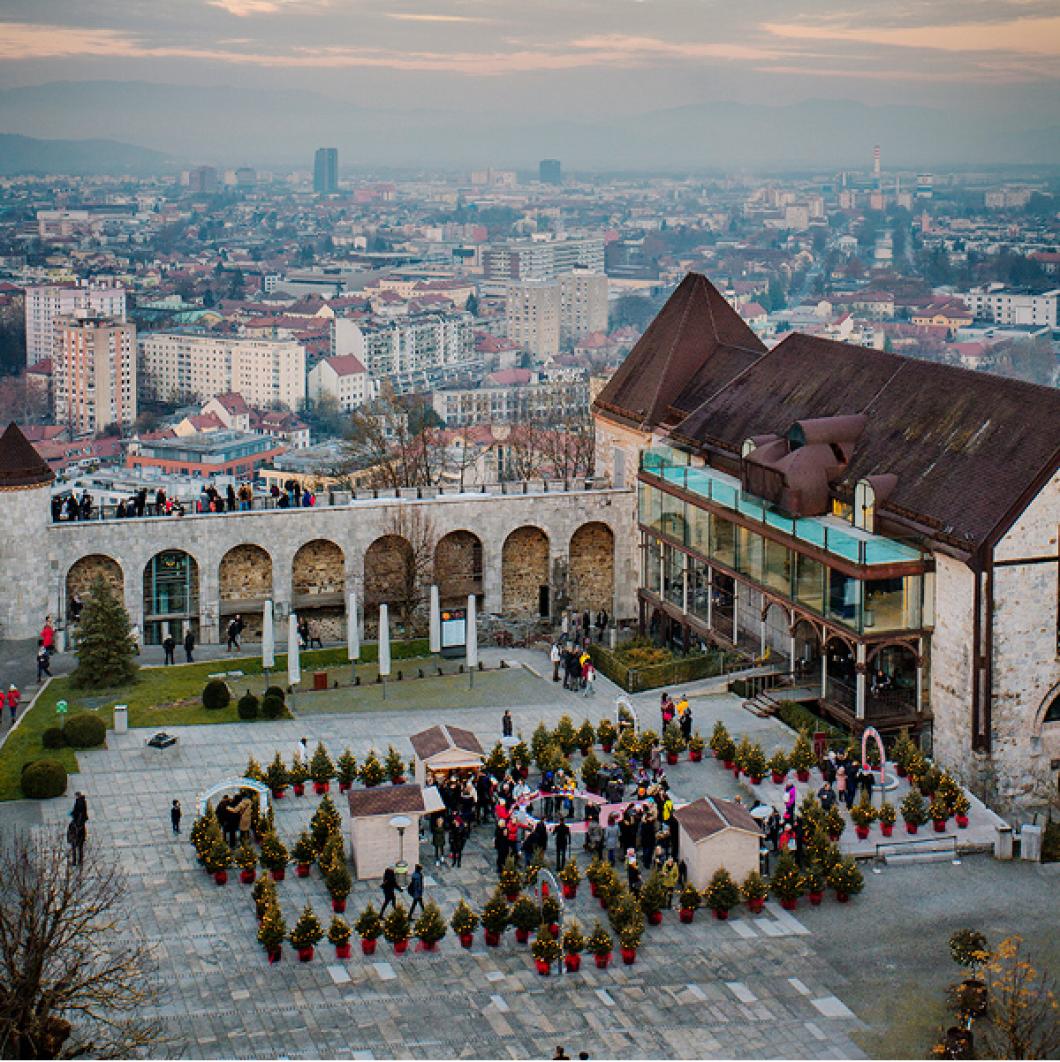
20	464
386	800
697	338
965	446
428	743
709	815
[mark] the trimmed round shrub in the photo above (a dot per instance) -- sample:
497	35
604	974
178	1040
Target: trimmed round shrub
53	738
272	707
85	731
276	691
247	707
216	695
44	779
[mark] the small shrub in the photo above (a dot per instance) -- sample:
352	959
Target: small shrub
44	779
53	738
247	708
216	695
85	731
272	707
276	691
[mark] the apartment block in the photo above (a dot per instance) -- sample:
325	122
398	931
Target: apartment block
513	396
583	305
94	372
542	259
342	378
1008	306
46	303
533	308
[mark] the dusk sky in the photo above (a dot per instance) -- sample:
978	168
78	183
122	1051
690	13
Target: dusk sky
574	58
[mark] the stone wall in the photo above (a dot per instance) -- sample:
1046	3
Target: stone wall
591	569
85	572
524	570
388	567
246	572
319	568
458	567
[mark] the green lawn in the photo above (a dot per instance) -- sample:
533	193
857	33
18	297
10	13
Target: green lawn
165	696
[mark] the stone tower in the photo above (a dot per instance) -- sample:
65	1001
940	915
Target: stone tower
25	512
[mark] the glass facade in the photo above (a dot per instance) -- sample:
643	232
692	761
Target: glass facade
171	596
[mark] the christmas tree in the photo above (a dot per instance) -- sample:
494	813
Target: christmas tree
272	930
395	766
339	931
599	942
273	852
338	880
346	768
372	772
264	895
464	919
307	930
325	821
721	893
787	882
396	925
369	925
253	770
321	769
276	776
304	850
106	652
497	761
430	926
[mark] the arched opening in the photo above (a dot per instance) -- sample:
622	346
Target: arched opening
390	578
524	573
318	587
84	572
891	681
458	568
807	664
171	596
842	673
245	582
591	568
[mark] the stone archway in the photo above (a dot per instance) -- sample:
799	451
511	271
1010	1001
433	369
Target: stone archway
390	578
84	572
525	573
171	596
458	568
244	583
591	568
318	588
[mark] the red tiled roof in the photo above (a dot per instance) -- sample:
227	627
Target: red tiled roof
346	364
708	815
428	743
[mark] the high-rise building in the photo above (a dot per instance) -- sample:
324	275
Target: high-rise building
45	304
533	316
583	305
203	179
175	366
542	259
94	372
326	171
549	171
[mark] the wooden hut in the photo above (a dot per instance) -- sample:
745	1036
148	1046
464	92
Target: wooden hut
374	843
715	833
442	749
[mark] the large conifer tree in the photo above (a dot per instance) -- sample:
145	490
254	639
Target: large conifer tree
106	652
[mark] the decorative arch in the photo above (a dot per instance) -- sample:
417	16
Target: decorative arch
525	572
260	788
84	572
458	567
318	569
1048	713
876	649
389	573
244	579
170	596
591	568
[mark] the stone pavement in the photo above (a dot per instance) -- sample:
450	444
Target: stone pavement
753	987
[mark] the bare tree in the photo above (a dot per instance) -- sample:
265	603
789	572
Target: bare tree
74	980
413	525
1024	1016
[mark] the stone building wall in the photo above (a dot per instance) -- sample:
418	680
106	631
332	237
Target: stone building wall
246	572
319	568
85	572
457	567
524	569
591	569
388	567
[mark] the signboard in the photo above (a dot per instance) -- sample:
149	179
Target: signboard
454	629
61	707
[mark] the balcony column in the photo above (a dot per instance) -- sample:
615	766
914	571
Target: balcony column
860	668
919	675
684	588
763	612
710	598
791	642
824	672
735	612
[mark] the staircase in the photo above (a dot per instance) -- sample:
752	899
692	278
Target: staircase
763	704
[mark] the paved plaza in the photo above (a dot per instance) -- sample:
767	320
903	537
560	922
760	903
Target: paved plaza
775	985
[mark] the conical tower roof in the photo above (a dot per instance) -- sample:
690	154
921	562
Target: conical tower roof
20	464
697	343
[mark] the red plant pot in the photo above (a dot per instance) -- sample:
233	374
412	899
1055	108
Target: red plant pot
727	764
493	938
275	956
655	918
911	827
320	787
789	905
686	915
736	772
940	825
602	961
886	828
279	875
862	832
342	951
522	935
962	822
299	788
344	787
467	939
301	870
400	780
368	946
899	770
247	876
720	914
569	891
401	946
573	963
279	794
671	758
815	898
629	955
511	897
756	904
594	889
695	755
221	877
544	968
607	747
778	777
305	954
603	902
338	906
427	945
802	774
842	897
756	779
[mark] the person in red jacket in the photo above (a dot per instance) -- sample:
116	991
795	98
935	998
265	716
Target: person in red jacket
13	697
47	635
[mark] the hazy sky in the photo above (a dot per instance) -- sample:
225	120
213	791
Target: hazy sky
573	58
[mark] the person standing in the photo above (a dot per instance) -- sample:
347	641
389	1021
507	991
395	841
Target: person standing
47	635
555	656
842	782
506	724
174	816
457	840
561	835
77	831
313	630
13	698
589	678
43	662
189	646
438	838
390	888
235	628
791	795
169	647
416	890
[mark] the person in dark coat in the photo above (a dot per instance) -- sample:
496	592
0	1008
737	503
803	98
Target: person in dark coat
390	888
189	646
416	889
561	835
168	648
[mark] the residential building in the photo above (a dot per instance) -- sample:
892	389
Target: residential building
534	308
94	372
343	378
583	305
179	366
326	171
512	396
1009	306
549	171
542	259
203	180
206	455
46	303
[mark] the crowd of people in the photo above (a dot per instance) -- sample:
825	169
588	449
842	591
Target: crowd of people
573	664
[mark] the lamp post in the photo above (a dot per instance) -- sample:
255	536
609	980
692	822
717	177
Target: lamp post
401	869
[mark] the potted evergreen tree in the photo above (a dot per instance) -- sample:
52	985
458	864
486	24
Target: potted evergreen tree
779	766
218	860
274	855
372	773
939	812
629	937
594	874
396	928
496	763
524	918
755	764
346	770
511	881
339	934
689	901
739	761
755	889
718	736
394	766
887	817
673	743
298	774
325	823
901	751
726	752
586	737
247	861
605	733
600	945
495	917
430	927
521	758
695	747
569	876
914	810
369	927
565	735
814	880
303	852
550	910
307	933
463	921
277	778
653	898
787	882
338	881
863	814
545	949
802	757
573	946
591	772
272	932
961	806
845	877
834	822
253	770
263	894
721	894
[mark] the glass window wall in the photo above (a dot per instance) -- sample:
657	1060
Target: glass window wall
777	567
699	530
892	604
652	559
843	594
698	589
723	540
749	554
649	503
672	521
673	576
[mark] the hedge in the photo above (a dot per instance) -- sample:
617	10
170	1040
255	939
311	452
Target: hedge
247	708
53	738
272	707
216	695
43	779
85	731
799	717
673	673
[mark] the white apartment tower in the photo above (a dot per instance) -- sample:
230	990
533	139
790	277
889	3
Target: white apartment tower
94	372
46	303
583	305
533	308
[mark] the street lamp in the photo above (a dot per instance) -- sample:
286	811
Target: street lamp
401	823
